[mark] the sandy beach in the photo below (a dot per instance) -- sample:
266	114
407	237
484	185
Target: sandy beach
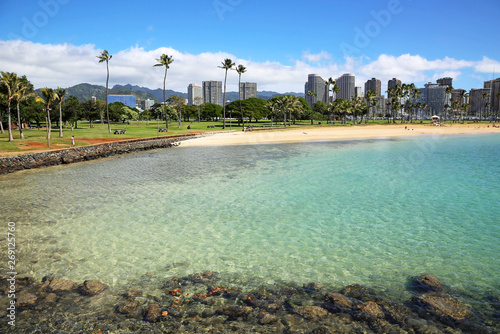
329	133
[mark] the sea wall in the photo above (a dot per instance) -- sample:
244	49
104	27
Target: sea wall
83	153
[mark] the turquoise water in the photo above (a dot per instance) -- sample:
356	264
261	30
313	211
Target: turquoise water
373	212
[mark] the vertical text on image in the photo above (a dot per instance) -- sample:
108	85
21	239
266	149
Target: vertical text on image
11	265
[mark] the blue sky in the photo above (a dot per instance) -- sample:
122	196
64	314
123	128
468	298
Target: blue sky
54	42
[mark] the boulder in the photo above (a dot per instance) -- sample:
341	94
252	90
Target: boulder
91	287
60	285
312	313
442	305
339	300
130	306
26	299
371	310
152	313
426	283
359	292
235	311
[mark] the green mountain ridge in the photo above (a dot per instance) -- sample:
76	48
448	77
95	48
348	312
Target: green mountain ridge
85	91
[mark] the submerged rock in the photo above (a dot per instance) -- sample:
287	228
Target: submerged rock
443	305
152	313
26	299
426	283
60	285
312	313
130	306
235	311
91	287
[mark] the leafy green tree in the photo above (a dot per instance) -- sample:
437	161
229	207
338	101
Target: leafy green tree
165	60
106	57
319	108
227	64
177	102
71	110
211	111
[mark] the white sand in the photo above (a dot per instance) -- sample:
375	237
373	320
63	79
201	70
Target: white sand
329	133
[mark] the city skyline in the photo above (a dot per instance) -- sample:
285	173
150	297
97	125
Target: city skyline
55	42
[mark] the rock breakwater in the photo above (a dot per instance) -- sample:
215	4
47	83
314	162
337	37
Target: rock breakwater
83	153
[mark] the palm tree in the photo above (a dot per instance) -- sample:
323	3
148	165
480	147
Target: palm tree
227	64
105	56
22	93
370	97
11	83
498	106
396	93
165	60
485	96
60	98
241	69
49	96
416	94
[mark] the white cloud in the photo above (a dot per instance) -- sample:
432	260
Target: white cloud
316	58
65	65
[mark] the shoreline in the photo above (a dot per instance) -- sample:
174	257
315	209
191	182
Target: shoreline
333	133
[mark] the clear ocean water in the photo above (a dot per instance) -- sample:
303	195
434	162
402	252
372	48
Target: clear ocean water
373	212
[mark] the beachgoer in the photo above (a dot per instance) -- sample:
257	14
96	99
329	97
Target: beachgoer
72	140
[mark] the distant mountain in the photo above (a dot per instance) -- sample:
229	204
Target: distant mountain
157	93
85	91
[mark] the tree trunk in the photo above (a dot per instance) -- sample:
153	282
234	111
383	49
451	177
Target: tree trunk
60	119
21	134
11	138
107	111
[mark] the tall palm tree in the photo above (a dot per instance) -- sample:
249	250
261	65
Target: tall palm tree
11	82
241	69
370	97
485	97
165	60
49	96
22	93
60	92
106	57
227	64
498	106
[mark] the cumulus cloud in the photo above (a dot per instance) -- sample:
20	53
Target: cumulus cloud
316	58
65	65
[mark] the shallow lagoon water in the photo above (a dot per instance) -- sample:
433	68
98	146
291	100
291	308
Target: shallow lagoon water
373	212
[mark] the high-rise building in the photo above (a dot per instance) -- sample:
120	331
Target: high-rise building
146	104
392	83
128	100
346	85
375	85
435	97
478	99
212	92
494	86
358	91
195	95
316	85
445	81
248	90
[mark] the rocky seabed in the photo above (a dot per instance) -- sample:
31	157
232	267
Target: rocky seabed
203	303
83	153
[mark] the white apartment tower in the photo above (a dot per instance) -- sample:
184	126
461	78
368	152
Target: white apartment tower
195	95
346	84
